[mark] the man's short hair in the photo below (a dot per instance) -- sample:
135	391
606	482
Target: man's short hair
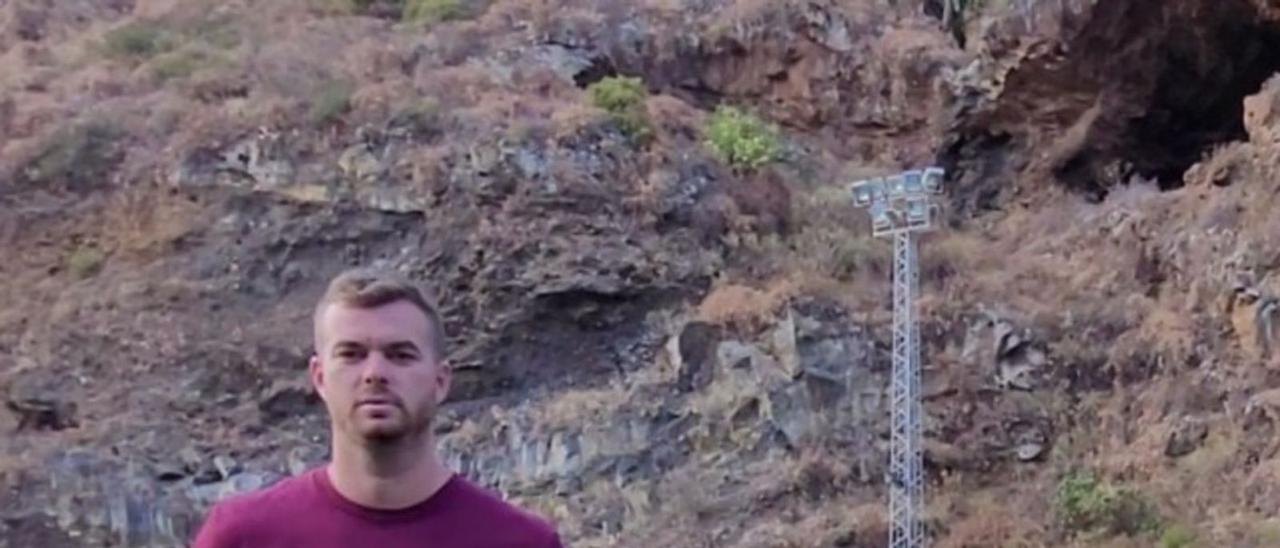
370	287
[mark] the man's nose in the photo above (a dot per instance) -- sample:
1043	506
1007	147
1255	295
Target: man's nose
375	368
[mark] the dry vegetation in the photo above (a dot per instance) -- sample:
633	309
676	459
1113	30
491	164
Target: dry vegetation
127	99
743	306
216	75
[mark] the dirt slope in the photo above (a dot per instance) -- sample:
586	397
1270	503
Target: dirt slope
656	346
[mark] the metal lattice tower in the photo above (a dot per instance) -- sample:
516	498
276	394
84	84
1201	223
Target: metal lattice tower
900	207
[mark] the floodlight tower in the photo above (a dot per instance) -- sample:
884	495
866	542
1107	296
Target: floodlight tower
901	207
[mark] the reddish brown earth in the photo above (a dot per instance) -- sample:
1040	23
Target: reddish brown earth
655	348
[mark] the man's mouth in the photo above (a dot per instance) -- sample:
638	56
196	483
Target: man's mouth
377	408
385	403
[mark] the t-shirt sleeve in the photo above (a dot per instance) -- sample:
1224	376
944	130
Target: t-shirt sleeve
554	541
217	531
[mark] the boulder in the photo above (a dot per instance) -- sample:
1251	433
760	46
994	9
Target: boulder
1186	437
696	347
1262	113
41	404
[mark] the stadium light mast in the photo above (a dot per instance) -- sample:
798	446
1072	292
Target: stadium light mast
901	206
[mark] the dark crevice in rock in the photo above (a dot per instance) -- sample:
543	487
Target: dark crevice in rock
577	337
1135	90
599	69
1198	98
978	171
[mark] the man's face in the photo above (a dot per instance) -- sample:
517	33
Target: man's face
375	371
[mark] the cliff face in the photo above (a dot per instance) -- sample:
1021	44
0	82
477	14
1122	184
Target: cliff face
655	346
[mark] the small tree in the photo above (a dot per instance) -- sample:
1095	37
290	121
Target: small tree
740	139
623	98
1086	504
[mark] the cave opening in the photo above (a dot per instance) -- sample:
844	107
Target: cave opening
1126	91
1197	101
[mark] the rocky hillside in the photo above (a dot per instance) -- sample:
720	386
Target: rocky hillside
671	325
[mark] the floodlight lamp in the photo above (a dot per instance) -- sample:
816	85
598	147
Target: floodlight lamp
884	188
912	182
893	186
917	211
933	180
880	216
877	188
862	194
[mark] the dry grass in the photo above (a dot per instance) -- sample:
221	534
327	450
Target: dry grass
739	14
744	306
330	101
214	79
571	119
142	222
459	86
1265	530
384	101
716	405
79	154
254	68
576	407
683	498
1223	166
956	253
831	524
184	62
784	502
830	251
1213	459
990	527
674	116
1169	334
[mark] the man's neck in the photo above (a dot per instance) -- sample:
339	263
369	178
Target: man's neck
387	477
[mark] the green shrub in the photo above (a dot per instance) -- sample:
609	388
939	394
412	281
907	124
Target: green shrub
332	100
1267	533
340	7
84	151
183	63
84	262
623	98
635	124
217	32
145	40
741	139
175	65
433	11
139	40
1178	536
421	116
410	11
617	93
1080	499
1085	504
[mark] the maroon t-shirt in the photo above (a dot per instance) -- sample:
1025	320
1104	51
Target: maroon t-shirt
305	511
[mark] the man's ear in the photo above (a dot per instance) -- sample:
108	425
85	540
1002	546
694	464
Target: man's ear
316	372
444	380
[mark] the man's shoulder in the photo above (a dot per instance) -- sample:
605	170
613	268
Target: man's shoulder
245	515
487	504
266	498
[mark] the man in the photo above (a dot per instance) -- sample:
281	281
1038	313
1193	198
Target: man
379	368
